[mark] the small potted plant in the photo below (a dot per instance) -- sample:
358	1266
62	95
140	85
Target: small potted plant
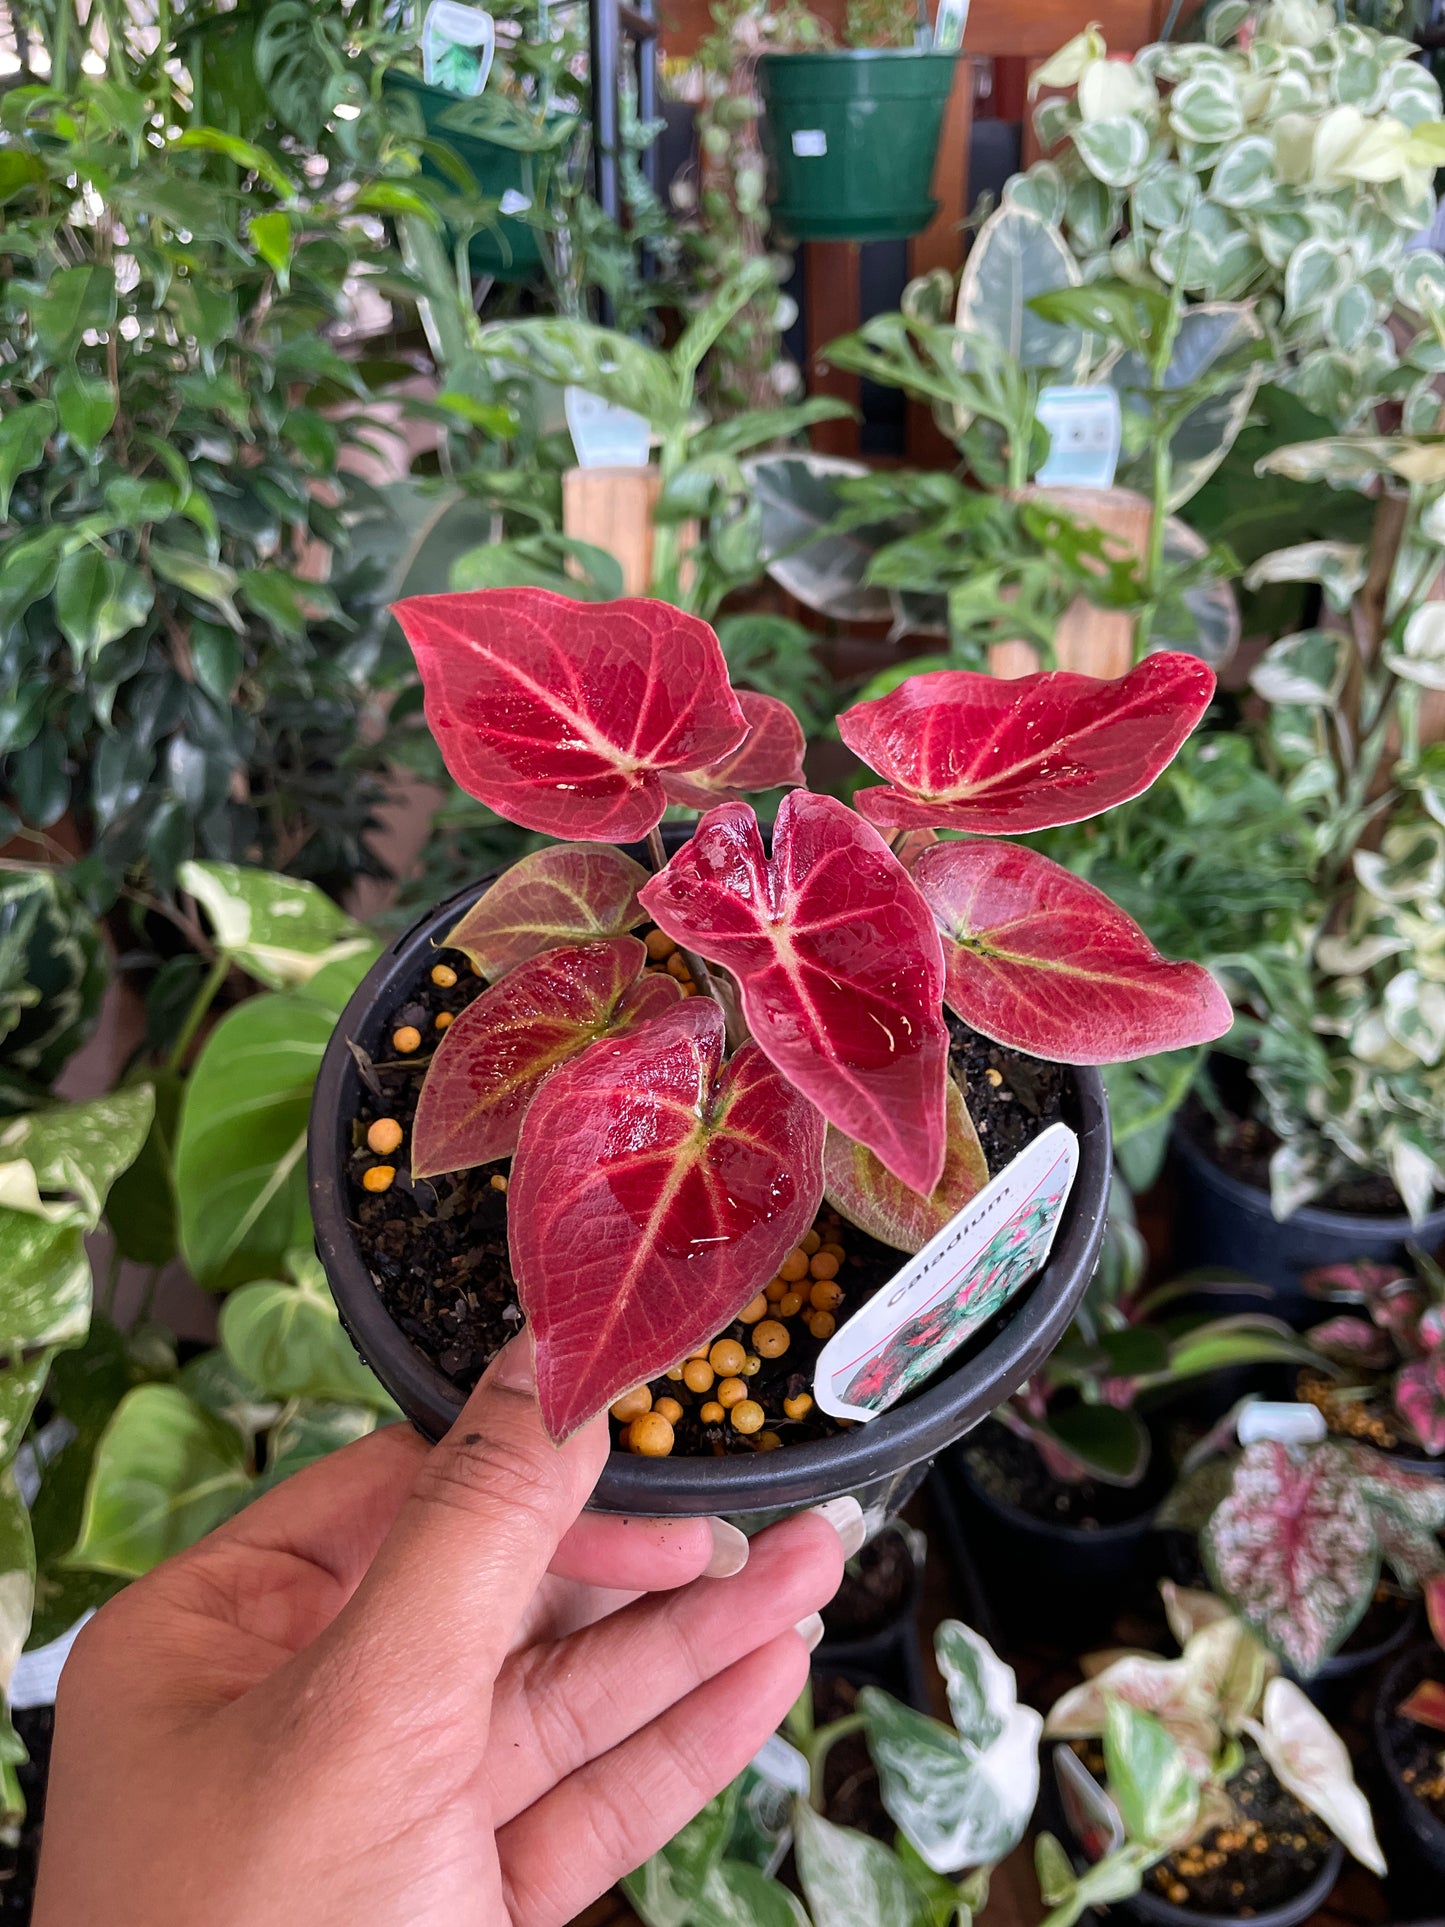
1410	1737
1228	1795
853	131
1390	1364
628	1142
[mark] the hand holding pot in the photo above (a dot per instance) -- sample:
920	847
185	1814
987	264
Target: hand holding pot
413	1685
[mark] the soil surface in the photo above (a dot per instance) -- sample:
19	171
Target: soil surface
1243	1144
875	1589
1417	1753
437	1248
17	1864
850	1780
1009	1470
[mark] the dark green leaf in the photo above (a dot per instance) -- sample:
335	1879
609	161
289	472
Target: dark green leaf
87	406
23	435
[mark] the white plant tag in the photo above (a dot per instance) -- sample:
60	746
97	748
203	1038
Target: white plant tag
962	1276
458	45
1263	1418
605	436
1085	427
948	27
810	143
37	1673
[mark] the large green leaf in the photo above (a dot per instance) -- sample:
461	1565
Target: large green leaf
73	301
98	599
1211	357
824	568
580	354
166	1471
24	432
281	930
288	1340
1015	257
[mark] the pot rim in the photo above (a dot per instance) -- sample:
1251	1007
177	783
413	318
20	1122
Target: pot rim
834	54
907	1434
1308	1217
1307	1902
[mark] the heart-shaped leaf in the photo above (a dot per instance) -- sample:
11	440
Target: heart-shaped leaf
969	752
1042	961
567	893
839	967
491	1061
654	1191
562	715
868	1194
1420	1400
770	757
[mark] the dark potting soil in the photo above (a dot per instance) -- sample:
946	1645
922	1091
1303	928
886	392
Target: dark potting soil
1417	1753
1243	1144
850	1780
35	1725
1011	1471
874	1591
437	1248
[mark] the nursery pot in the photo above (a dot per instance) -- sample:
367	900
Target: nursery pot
1163	1913
1224	1221
508	250
879	1462
891	1651
1423	1834
853	137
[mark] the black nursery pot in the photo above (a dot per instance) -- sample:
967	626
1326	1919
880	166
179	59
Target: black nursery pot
890	1653
1223	1221
879	1463
1422	1833
1305	1905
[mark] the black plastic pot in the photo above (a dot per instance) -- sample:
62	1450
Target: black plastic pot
1163	1913
875	1462
1422	1835
892	1654
1222	1221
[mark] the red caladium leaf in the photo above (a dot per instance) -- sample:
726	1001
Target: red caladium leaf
1420	1400
1426	1704
971	752
562	716
1435	1608
838	965
491	1061
868	1195
770	758
567	893
1293	1548
654	1191
1352	1342
1042	961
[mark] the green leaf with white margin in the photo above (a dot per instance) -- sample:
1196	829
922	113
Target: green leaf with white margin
1244	175
1309	1759
1420	657
288	1340
281	930
165	1472
1149	1780
797	495
241	1142
849	1879
1408	867
81	1149
1340	569
1308	668
1207	106
1016	257
1209	335
1115	151
1414	1012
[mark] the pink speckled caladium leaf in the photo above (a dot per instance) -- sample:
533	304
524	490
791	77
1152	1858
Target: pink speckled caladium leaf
567	893
969	752
1420	1399
653	1192
1352	1342
1357	1282
1408	1509
1292	1546
564	716
856	1183
769	758
838	965
490	1063
1042	961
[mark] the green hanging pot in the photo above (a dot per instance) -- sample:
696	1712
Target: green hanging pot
853	137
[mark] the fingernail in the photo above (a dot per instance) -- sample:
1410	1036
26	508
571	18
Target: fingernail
810	1630
845	1516
514	1369
729	1551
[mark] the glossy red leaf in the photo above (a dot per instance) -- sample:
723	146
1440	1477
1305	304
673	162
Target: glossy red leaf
562	716
653	1192
567	893
1044	962
770	757
490	1063
868	1195
971	752
838	965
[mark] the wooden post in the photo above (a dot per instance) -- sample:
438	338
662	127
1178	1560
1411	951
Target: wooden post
831	297
941	245
1088	640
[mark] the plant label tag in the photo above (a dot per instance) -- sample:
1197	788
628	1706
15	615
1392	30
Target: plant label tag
1264	1418
809	143
762	1829
514	202
944	1293
1091	1815
948	27
458	44
1085	427
605	436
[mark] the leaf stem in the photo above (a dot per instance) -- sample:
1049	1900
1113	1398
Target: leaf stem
194	1017
819	1743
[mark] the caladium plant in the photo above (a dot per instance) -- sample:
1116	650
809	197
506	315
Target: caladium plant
1391	1362
669	1137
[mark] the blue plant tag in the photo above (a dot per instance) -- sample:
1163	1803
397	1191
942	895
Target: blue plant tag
1084	427
603	435
458	44
960	1279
